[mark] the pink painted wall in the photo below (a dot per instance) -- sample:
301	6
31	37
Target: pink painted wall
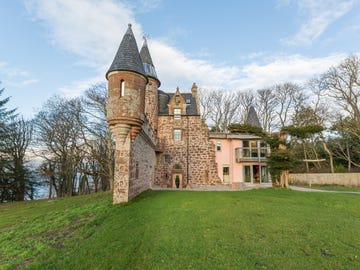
227	157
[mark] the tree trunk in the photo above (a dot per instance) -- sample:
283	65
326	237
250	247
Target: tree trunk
331	158
305	156
284	179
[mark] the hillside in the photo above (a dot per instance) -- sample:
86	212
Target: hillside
259	229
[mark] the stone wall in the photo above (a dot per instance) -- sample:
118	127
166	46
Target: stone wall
142	168
121	171
135	164
193	155
151	103
340	179
132	104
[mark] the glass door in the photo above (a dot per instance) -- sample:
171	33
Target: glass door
226	174
247	173
264	174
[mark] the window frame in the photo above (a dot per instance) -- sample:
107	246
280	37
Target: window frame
177	113
122	88
177	134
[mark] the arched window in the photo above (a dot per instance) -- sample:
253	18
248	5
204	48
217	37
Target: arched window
122	88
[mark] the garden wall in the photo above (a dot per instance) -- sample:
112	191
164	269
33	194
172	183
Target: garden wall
340	179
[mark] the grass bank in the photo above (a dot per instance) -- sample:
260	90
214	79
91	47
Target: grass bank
258	229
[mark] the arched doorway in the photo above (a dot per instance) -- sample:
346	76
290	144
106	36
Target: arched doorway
177	177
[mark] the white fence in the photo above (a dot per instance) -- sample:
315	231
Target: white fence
340	179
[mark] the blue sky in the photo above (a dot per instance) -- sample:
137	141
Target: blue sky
64	46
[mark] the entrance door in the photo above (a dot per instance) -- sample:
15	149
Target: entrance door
177	180
247	174
264	174
226	174
255	174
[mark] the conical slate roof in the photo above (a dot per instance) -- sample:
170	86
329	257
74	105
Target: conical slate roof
252	118
145	54
147	61
127	57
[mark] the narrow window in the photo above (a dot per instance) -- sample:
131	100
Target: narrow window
188	101
137	170
122	88
177	114
166	159
218	146
177	134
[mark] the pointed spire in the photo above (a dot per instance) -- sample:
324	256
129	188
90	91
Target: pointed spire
127	57
252	118
145	54
147	61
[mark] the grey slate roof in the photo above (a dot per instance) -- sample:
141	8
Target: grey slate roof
252	118
147	61
164	98
145	54
127	57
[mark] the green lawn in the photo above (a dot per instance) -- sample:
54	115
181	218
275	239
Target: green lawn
258	229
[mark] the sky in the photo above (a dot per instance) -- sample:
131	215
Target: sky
63	47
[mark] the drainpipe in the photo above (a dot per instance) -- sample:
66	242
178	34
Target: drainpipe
187	151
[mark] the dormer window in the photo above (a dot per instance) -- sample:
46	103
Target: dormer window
177	114
122	88
188	101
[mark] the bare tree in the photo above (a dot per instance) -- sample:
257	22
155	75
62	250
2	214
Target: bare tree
267	104
98	139
342	84
246	100
222	108
288	97
58	137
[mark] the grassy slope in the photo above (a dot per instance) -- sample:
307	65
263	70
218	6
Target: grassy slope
259	229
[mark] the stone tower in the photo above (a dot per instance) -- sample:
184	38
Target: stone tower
127	82
151	94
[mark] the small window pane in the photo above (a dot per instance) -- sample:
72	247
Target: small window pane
177	113
166	159
177	134
218	146
246	152
122	88
253	144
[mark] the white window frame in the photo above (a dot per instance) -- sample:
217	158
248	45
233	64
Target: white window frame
177	114
177	134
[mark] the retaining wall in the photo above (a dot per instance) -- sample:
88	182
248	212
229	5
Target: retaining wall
340	179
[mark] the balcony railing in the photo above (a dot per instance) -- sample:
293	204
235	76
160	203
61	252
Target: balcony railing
248	154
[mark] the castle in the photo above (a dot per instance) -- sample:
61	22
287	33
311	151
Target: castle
160	137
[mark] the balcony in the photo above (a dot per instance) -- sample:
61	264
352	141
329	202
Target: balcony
248	154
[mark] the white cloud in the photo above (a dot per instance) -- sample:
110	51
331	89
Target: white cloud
319	15
93	30
286	68
90	29
15	76
76	88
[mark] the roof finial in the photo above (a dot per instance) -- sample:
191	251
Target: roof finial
145	40
129	25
